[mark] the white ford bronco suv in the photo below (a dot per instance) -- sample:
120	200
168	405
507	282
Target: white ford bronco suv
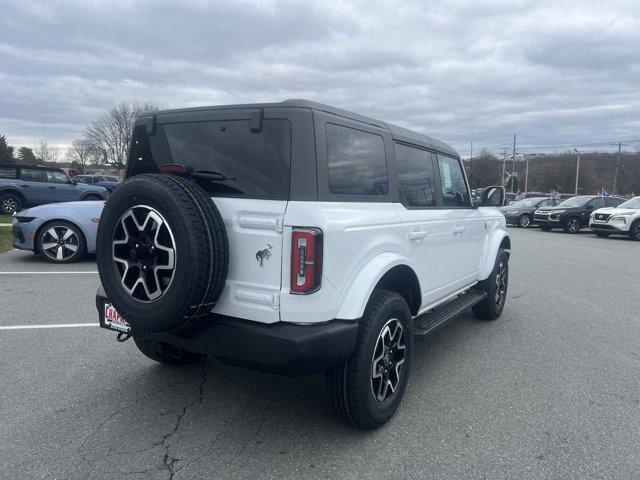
296	238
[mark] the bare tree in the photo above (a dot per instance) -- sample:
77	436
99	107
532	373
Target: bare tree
81	152
111	134
46	153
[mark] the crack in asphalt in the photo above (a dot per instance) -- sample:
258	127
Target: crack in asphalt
169	460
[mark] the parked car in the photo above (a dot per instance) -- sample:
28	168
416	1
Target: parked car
621	220
110	182
72	173
296	238
25	185
521	212
573	214
60	232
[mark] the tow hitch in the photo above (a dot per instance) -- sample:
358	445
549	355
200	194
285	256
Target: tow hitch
123	337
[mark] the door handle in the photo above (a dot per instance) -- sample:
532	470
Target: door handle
24	185
458	230
417	235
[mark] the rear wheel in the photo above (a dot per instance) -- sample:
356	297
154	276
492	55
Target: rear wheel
571	225
524	221
368	387
61	242
10	203
165	353
496	289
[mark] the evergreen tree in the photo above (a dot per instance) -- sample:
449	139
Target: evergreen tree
26	155
6	151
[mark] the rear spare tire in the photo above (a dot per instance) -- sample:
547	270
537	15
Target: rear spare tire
162	252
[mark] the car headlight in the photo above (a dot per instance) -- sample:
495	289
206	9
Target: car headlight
558	211
620	219
21	219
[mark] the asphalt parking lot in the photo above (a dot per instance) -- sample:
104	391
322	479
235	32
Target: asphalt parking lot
550	390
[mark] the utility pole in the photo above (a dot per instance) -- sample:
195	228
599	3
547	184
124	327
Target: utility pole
504	165
526	174
615	175
577	169
513	161
471	161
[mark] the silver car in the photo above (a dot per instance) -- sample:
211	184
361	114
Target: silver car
60	232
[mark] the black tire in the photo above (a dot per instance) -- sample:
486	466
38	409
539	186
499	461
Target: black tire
493	305
545	228
350	386
61	249
165	353
602	234
571	225
10	203
634	231
191	227
92	197
524	221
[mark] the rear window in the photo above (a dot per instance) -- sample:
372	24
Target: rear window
242	163
31	175
8	172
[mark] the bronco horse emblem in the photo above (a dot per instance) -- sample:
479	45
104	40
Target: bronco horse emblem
262	255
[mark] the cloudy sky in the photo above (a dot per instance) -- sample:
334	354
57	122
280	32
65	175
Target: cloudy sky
555	72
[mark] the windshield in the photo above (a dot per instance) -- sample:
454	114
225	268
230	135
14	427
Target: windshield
633	203
575	202
527	202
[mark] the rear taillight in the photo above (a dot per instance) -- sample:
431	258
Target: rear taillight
306	260
173	168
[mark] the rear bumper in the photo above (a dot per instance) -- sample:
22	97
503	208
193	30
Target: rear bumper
282	348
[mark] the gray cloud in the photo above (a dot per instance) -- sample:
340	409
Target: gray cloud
555	72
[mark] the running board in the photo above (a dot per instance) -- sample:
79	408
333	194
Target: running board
429	321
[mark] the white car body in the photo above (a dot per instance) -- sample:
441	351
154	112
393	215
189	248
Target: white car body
449	250
616	220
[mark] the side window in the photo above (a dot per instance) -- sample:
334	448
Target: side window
357	162
416	176
57	177
597	202
545	203
31	175
454	188
612	202
8	172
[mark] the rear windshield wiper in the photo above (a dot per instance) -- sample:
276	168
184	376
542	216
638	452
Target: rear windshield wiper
211	175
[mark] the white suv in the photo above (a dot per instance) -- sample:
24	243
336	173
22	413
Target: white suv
621	220
295	238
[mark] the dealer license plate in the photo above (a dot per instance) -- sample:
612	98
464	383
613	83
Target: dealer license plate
113	320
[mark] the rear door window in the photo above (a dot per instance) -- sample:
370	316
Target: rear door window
416	176
612	202
31	175
597	202
8	172
232	160
454	188
357	162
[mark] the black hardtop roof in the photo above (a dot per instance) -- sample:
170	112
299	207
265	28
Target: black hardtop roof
26	165
398	133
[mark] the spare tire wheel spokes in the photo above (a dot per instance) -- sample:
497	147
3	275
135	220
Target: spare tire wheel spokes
143	252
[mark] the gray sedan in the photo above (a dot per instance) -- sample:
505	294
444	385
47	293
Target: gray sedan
521	212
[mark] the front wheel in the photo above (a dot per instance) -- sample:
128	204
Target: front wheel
61	242
524	221
572	225
634	231
496	289
368	387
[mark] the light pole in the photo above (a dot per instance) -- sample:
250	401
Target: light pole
577	169
526	173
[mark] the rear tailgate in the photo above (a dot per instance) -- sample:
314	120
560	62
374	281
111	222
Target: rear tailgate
254	229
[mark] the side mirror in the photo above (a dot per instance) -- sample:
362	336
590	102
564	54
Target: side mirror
492	197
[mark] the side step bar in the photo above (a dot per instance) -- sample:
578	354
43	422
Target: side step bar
429	321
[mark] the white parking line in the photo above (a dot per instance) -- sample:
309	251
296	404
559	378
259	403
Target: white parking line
48	273
60	325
